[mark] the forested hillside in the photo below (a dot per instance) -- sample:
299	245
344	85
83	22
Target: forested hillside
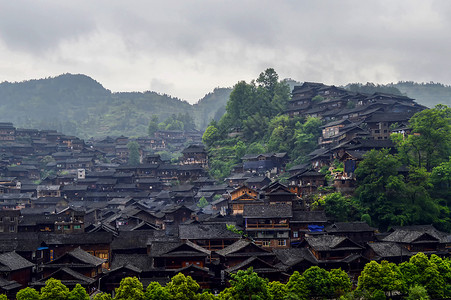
79	105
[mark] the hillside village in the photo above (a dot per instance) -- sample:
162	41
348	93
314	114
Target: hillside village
77	211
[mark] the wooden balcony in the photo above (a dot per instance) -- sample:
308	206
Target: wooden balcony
267	226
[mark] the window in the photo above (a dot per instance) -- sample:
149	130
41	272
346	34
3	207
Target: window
282	243
77	226
103	255
12	228
13	219
266	243
295	234
377	131
66	227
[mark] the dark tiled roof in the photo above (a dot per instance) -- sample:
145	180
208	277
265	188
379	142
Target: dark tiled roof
241	244
85	257
206	231
388	249
349	227
12	261
330	242
259	265
261	211
303	216
135	239
409	234
292	256
140	261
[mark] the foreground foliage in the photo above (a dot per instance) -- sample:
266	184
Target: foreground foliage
419	278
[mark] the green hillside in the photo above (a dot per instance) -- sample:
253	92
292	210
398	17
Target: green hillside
79	105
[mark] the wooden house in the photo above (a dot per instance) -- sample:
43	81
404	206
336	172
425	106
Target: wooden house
14	267
333	252
268	225
358	232
242	250
241	196
419	238
194	155
208	236
77	260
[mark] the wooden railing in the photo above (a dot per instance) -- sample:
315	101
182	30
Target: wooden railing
266	226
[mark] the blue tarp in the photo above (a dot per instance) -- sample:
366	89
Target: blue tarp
315	228
42	248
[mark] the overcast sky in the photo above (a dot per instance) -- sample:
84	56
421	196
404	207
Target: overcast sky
187	48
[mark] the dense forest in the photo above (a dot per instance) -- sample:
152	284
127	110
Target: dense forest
420	277
79	105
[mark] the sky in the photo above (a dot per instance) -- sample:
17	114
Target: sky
188	48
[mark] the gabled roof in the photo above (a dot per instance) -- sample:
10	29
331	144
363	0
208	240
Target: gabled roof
292	256
389	249
125	266
416	234
11	261
206	231
349	227
259	266
186	249
78	257
331	242
192	267
243	248
245	195
138	261
260	211
67	273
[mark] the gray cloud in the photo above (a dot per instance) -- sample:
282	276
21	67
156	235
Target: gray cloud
189	47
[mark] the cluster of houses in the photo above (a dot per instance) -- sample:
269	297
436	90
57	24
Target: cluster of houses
76	211
354	124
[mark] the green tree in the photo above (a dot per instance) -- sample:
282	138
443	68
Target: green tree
296	287
202	202
134	157
317	282
246	284
182	287
210	135
342	208
434	274
130	288
153	125
430	143
277	290
27	293
78	293
102	296
417	292
3	297
339	282
380	189
382	276
54	290
155	291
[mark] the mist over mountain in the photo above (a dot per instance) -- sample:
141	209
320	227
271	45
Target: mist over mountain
78	105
